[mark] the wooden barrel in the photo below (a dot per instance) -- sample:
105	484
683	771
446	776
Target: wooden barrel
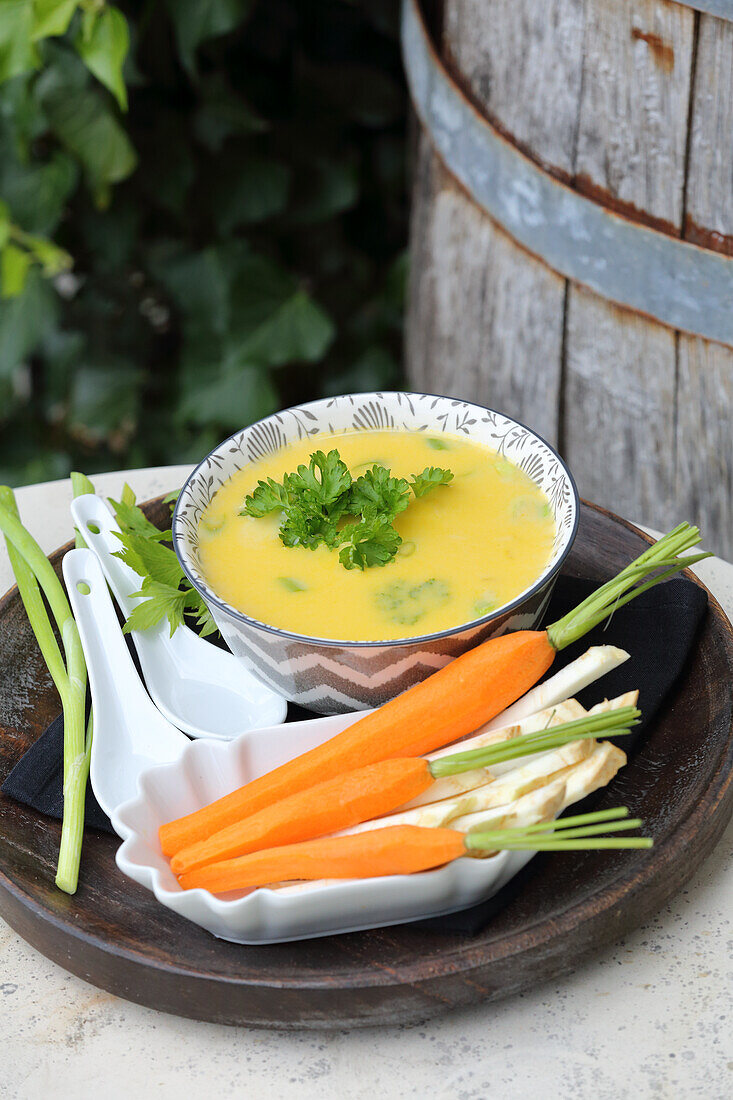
572	237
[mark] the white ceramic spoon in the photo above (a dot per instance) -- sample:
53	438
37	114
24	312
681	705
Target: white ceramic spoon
130	733
204	691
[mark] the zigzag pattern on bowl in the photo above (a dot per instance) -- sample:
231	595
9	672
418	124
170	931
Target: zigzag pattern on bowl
332	679
336	675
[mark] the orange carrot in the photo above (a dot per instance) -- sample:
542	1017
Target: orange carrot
369	792
325	808
399	850
405	849
451	703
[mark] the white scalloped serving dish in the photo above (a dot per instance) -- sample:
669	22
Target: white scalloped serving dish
205	770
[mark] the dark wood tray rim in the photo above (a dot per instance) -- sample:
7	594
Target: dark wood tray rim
459	957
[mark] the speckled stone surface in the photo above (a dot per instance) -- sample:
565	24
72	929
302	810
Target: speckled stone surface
650	1017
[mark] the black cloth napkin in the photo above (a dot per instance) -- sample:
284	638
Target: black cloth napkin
658	630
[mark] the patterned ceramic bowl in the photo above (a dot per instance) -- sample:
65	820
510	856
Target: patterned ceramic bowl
334	676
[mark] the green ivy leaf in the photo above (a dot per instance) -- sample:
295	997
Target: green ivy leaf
14	265
223	114
25	321
18	54
4	222
196	20
166	150
110	236
22	120
246	190
52	17
329	187
298	330
84	124
375	369
259	289
198	282
235	399
38	193
52	259
104	399
103	48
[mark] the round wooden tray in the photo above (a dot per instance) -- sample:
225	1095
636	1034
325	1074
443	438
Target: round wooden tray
114	934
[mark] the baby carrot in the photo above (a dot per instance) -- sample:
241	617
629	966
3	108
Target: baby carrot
448	705
452	702
370	792
404	850
400	850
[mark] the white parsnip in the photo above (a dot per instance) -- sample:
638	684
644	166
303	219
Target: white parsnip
628	699
499	792
539	805
566	711
596	771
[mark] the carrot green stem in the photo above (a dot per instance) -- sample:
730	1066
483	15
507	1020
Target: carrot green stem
584	830
579	819
612	723
591	845
665	554
566	835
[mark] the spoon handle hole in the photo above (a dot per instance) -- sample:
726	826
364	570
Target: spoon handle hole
93	528
83	587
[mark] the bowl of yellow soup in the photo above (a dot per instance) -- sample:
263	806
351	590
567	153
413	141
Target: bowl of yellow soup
339	606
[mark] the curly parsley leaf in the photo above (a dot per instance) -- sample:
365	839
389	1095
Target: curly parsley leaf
371	542
430	478
269	496
322	481
307	525
317	497
377	493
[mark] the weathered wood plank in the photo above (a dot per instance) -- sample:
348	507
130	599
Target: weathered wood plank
619	408
632	133
704	450
485	318
709	207
522	61
620	368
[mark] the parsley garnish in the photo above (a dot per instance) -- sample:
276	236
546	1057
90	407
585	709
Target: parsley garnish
166	592
322	504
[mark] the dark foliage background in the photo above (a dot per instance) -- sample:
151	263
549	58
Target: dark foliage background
237	237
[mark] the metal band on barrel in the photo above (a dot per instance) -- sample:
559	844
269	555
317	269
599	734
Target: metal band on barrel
722	9
677	283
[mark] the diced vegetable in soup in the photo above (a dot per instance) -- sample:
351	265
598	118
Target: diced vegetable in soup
465	545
